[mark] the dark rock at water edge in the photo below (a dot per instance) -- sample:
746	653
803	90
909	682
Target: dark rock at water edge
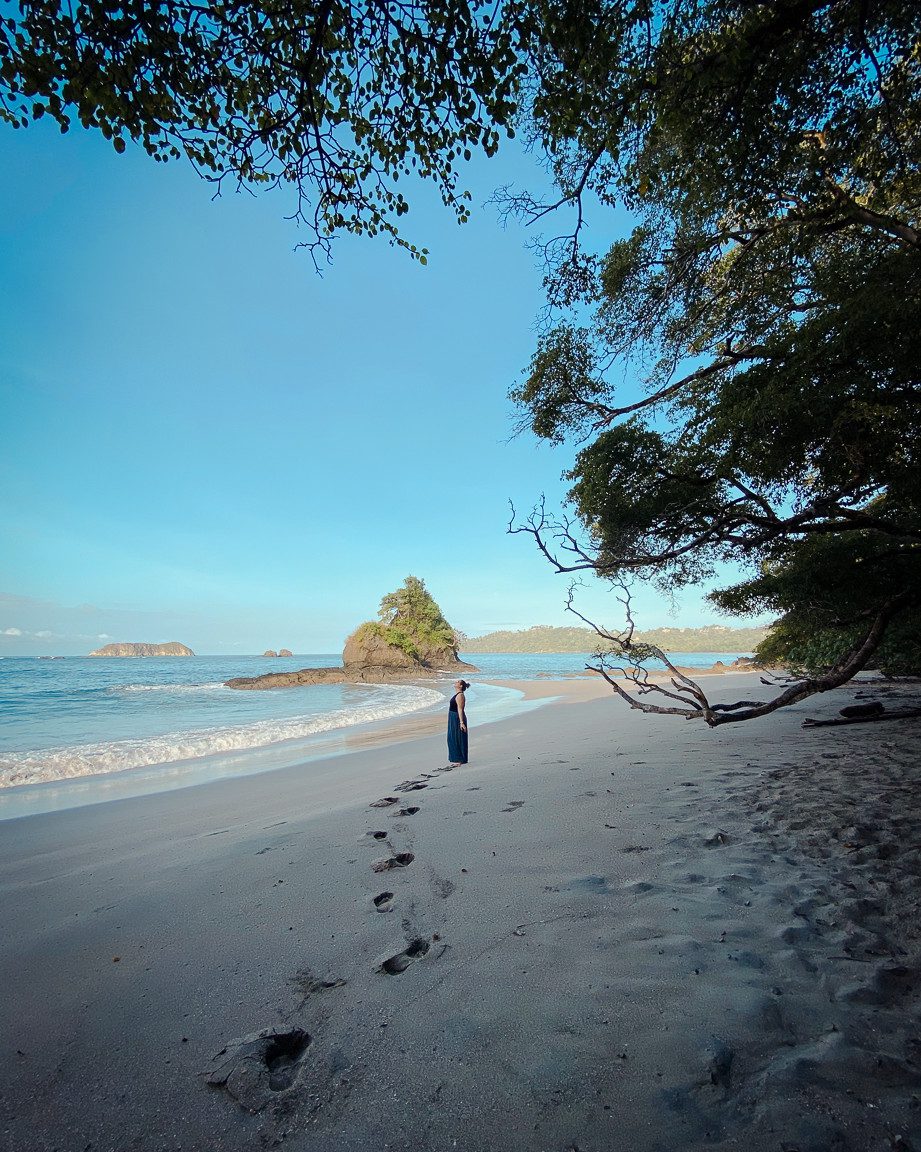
374	674
366	653
290	679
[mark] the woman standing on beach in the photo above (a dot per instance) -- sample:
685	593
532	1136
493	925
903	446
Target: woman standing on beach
457	726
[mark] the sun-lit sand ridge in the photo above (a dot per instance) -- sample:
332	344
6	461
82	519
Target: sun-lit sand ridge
608	931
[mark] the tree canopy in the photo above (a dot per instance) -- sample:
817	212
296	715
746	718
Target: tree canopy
337	100
769	298
410	619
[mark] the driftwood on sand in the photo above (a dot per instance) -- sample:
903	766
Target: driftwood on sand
867	718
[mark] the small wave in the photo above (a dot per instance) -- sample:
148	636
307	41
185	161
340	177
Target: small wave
119	689
118	756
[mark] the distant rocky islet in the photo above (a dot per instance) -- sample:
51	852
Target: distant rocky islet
173	648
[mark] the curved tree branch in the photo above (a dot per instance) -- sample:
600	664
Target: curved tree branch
696	704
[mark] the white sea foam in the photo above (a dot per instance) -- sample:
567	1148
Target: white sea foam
65	763
119	689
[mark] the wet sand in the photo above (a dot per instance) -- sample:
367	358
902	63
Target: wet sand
608	931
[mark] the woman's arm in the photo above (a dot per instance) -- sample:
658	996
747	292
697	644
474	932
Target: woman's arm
461	714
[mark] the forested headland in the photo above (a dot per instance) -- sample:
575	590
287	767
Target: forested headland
543	638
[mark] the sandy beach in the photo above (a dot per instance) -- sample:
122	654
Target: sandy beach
608	931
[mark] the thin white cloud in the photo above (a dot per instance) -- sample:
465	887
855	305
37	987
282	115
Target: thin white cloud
12	632
44	634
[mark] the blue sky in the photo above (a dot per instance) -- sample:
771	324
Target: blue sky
204	441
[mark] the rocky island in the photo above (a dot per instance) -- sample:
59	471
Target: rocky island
171	649
410	639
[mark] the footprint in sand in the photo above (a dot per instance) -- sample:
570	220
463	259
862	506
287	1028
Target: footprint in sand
384	802
377	835
383	902
282	1056
401	860
512	805
410	786
254	1067
411	811
441	887
396	965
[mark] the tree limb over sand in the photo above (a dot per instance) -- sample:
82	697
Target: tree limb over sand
738	376
690	700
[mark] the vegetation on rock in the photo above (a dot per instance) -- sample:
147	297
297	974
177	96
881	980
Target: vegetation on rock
410	620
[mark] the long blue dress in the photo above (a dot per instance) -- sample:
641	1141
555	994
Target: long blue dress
457	739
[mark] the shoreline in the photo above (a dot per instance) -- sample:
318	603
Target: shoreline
20	800
23	800
608	927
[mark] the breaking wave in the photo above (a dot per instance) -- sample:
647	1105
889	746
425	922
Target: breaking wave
64	763
119	689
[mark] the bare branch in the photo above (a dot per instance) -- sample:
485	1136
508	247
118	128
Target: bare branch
696	704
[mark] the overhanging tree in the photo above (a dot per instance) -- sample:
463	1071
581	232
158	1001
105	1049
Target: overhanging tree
337	100
769	295
770	300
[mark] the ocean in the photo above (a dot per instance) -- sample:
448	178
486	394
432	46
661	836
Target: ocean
79	729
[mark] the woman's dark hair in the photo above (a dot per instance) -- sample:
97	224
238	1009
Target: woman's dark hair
465	684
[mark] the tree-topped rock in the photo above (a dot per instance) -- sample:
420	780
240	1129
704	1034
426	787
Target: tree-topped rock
409	639
367	648
410	633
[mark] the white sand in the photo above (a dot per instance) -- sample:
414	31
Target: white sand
641	934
